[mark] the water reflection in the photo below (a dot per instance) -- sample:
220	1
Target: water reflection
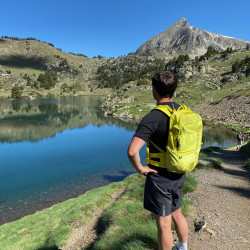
216	136
26	120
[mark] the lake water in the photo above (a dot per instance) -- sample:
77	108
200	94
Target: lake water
58	148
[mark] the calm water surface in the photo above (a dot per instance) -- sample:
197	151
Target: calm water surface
55	149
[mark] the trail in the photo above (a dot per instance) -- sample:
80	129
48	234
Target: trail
222	200
85	235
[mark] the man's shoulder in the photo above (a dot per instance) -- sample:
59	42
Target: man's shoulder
153	114
172	105
156	114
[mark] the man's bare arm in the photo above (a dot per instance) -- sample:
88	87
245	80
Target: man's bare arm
134	156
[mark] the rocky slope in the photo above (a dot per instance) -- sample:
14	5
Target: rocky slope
181	38
229	111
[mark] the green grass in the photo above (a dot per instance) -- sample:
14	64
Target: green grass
212	162
50	227
234	127
246	150
215	163
123	225
190	185
204	153
237	127
126	225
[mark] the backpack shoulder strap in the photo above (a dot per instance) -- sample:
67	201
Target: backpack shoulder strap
165	109
169	111
183	106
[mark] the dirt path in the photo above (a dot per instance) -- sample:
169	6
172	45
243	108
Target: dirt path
85	235
223	202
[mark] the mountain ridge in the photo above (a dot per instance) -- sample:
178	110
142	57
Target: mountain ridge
181	38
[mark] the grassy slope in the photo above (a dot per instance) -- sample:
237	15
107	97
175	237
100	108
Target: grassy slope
34	57
126	225
125	221
50	227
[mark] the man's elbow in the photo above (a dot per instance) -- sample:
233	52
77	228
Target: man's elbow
135	147
131	152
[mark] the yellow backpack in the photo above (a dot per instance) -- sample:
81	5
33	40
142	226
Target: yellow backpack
184	141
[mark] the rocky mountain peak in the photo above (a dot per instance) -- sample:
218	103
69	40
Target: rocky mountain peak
181	23
181	38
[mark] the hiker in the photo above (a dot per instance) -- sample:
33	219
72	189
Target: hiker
163	189
240	140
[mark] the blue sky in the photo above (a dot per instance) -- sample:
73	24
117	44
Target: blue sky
113	28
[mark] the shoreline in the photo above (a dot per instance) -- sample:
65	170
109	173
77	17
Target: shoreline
96	92
51	201
19	212
128	117
213	124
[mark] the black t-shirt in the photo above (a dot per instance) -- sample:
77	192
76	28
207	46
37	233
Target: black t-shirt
154	126
239	137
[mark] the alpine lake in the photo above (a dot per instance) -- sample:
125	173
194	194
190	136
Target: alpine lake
55	149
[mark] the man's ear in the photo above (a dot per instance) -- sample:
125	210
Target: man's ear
153	89
154	92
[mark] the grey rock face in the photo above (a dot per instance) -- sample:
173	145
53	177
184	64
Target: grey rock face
181	38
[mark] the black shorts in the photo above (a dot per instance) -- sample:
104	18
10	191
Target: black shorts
239	142
163	192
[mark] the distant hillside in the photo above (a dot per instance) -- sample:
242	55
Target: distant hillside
216	84
181	38
22	61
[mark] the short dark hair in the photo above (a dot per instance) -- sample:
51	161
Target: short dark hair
165	83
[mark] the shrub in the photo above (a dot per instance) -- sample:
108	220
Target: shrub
210	52
64	63
16	92
126	69
242	66
143	82
47	80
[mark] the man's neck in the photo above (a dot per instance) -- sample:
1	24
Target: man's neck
165	99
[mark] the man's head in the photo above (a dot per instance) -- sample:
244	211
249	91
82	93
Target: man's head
165	83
